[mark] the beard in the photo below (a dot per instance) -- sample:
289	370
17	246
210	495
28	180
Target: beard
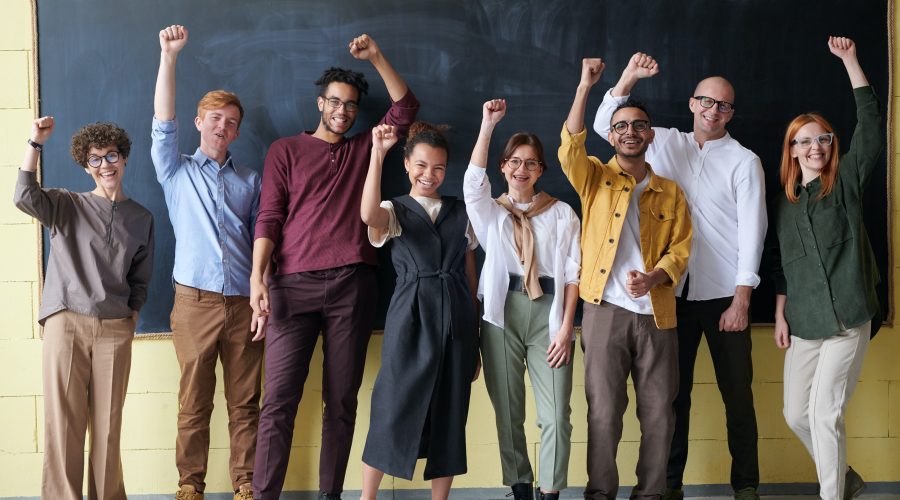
325	124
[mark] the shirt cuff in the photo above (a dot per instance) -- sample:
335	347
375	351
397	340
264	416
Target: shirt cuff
616	99
747	279
165	126
26	178
569	138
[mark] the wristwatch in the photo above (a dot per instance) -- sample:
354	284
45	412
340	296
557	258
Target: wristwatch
39	147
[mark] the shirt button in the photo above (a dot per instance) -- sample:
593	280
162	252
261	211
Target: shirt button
603	271
611	240
608	183
618	214
596	301
626	190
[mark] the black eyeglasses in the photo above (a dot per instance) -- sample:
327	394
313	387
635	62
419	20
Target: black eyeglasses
636	125
806	142
335	103
95	161
530	165
708	102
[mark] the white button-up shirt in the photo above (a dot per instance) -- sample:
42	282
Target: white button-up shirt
493	228
725	189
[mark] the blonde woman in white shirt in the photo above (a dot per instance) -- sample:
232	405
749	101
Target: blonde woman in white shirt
529	286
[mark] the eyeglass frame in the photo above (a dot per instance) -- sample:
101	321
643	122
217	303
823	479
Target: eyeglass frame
104	157
349	106
817	138
631	123
522	162
717	103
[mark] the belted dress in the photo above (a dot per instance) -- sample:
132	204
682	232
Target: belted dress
420	400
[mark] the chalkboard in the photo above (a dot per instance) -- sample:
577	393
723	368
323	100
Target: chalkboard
98	61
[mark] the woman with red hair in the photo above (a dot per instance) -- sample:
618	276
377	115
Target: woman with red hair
826	308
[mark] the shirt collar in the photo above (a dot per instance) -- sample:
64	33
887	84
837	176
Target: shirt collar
201	158
653	183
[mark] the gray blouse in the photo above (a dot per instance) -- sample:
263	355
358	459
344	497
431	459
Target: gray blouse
101	252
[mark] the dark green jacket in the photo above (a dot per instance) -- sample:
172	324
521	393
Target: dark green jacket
827	268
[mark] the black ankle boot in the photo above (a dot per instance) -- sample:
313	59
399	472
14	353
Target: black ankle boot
522	491
549	496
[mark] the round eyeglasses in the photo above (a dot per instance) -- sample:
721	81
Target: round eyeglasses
95	161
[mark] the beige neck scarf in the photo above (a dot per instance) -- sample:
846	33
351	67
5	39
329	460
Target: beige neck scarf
524	237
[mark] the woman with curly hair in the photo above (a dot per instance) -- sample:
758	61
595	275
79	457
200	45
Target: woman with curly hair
825	275
101	260
430	352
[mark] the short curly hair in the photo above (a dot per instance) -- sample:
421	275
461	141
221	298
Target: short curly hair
335	74
99	135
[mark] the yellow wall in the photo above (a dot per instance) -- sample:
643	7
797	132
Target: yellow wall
150	410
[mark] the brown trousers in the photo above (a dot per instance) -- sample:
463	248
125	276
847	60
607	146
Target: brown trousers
616	343
86	361
206	326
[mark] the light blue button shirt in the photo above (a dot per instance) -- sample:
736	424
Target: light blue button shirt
213	212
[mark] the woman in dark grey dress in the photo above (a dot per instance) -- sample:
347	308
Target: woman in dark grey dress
429	354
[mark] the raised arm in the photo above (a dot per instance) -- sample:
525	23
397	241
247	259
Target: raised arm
373	215
480	206
171	41
491	113
861	158
591	69
41	129
364	47
28	196
639	66
845	49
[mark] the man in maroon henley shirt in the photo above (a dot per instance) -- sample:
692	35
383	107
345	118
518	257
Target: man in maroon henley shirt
324	278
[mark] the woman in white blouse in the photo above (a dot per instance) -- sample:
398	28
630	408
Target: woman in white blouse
529	286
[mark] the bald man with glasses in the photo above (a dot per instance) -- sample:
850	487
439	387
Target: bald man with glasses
725	189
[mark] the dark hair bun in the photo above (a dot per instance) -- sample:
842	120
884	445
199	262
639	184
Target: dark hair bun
425	133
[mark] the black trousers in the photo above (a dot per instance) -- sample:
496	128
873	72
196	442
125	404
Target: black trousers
733	365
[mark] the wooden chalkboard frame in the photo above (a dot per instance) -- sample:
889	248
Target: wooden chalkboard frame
566	84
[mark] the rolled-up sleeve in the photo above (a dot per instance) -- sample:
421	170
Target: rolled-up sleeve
752	222
164	149
675	259
402	113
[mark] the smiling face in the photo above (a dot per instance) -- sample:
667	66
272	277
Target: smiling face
427	166
709	123
522	180
218	129
108	176
815	158
631	143
338	121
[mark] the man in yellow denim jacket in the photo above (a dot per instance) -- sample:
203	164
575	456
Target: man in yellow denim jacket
634	251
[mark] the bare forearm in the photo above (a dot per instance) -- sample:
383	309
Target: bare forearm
623	87
396	87
780	303
855	72
30	161
570	301
482	145
370	207
164	97
262	255
742	295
